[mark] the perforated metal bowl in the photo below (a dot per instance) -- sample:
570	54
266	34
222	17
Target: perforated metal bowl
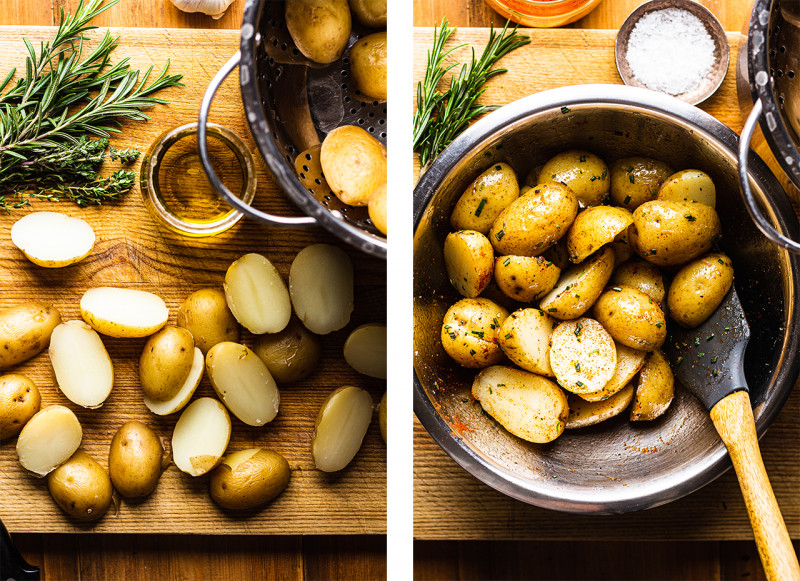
291	104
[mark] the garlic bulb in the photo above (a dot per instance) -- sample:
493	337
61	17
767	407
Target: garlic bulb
215	8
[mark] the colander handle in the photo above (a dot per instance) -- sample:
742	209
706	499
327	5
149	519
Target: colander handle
744	183
202	143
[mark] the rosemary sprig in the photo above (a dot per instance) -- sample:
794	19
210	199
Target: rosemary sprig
441	116
47	117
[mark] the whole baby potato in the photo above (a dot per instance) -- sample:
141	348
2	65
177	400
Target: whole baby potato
698	289
370	13
689	185
636	180
368	65
354	164
641	275
631	318
469	260
25	331
81	487
249	478
484	199
134	460
582	172
319	28
205	314
19	401
470	332
525	278
290	355
378	209
165	362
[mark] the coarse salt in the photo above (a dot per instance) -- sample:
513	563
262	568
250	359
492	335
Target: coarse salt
670	51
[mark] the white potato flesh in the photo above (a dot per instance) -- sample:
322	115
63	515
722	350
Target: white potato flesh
256	295
52	239
201	436
690	185
365	350
185	393
49	439
243	382
525	339
321	285
83	369
583	355
341	425
629	362
584	413
123	312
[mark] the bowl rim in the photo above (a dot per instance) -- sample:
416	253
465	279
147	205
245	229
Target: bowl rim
712	465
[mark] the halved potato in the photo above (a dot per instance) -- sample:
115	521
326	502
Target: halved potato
525	278
484	199
583	355
594	228
584	413
51	239
641	275
698	289
582	172
655	390
365	350
165	362
629	362
689	185
525	339
321	287
185	393
256	295
631	317
340	428
83	368
123	312
469	260
579	286
201	436
469	332
49	438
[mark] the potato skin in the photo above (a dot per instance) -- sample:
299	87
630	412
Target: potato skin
641	275
525	278
469	260
594	228
249	478
165	362
469	332
698	289
368	65
689	185
579	286
377	208
631	318
134	460
81	487
205	314
25	331
19	401
290	355
582	172
319	28
370	13
636	180
485	198
354	164
655	390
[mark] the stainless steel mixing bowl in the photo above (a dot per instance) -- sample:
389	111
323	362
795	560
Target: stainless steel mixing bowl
616	466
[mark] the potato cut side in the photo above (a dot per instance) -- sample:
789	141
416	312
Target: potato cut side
83	369
629	362
529	406
321	286
579	286
469	260
594	228
256	295
525	339
123	312
49	439
583	356
185	393
340	428
201	436
655	390
584	413
243	382
365	350
51	239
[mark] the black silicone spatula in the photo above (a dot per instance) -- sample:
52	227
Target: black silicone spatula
709	361
12	564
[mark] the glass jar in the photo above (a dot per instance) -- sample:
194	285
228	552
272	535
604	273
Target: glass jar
543	13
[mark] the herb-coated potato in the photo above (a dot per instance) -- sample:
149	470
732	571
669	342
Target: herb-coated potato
378	209
529	406
81	487
558	254
206	315
469	332
135	460
583	355
525	278
632	318
525	339
534	222
484	199
249	478
698	288
370	13
579	286
25	331
354	164
583	413
622	250
595	227
368	65
669	233
636	180
641	275
582	172
689	185
655	390
19	401
290	355
165	362
469	260
319	28
629	362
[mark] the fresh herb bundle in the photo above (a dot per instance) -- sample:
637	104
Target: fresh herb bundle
441	116
49	116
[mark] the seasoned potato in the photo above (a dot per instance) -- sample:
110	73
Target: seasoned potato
340	428
535	221
558	254
19	401
583	355
698	288
206	315
579	286
319	28
582	172
469	260
636	180
631	317
49	438
469	332
290	355
354	164
525	339
655	390
123	312
689	185
370	13
25	331
641	275
583	413
594	228
629	362
669	233
256	295
249	478
201	436
529	406
378	209
135	459
51	239
622	250
484	199
82	366
525	278
532	178
165	362
365	350
368	65
81	487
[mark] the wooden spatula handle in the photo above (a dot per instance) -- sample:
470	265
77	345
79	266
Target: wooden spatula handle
733	418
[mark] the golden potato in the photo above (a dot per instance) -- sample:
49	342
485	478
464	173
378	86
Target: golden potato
290	355
583	355
469	260
655	390
135	460
583	413
641	275
205	314
689	185
579	286
249	478
629	362
19	401
354	164
595	227
636	180
525	339
469	332
484	199
525	278
532	178
368	65
631	317
25	331
698	289
81	487
319	28
370	13
582	172
165	362
378	209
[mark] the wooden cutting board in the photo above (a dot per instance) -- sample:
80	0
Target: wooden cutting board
132	251
449	503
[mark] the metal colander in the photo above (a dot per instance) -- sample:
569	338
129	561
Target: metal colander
292	103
